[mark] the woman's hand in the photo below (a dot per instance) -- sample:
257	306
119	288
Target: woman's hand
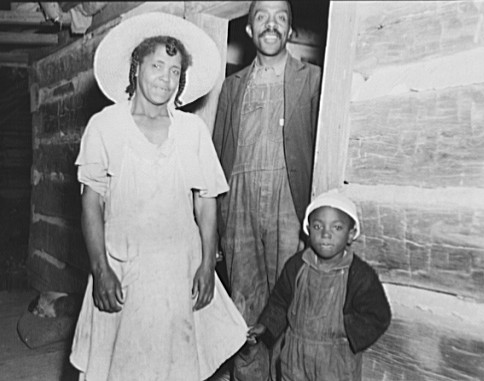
254	333
203	286
107	292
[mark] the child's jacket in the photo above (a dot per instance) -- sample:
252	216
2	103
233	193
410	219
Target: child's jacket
366	311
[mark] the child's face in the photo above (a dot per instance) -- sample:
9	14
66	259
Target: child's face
330	230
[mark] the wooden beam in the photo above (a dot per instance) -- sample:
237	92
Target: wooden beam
9	38
22	18
333	125
217	28
14	59
66	6
112	11
228	10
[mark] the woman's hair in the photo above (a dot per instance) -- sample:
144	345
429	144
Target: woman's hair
147	47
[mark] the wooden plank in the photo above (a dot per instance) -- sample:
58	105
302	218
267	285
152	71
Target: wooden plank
399	32
424	139
24	38
112	11
65	6
420	76
333	126
224	9
14	59
23	18
432	336
217	28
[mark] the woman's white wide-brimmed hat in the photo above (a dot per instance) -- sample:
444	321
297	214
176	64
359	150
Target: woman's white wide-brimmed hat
112	59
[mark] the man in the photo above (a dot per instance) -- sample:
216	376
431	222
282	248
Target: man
264	134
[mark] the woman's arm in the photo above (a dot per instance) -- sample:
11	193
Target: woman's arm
107	291
204	279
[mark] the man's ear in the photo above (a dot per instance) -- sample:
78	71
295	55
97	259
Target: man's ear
290	33
248	30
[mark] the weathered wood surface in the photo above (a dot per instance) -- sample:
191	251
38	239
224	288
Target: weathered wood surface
429	139
432	336
14	59
426	238
228	10
416	171
332	136
395	32
7	38
23	18
217	29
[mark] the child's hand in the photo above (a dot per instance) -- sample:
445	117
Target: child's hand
254	333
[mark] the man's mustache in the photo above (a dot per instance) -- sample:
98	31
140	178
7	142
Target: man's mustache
272	31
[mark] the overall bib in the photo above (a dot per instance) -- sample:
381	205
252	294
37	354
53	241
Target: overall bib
316	347
262	228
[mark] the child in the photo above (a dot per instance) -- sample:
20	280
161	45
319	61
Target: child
331	301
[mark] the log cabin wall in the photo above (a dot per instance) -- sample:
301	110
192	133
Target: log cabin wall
415	167
15	161
64	95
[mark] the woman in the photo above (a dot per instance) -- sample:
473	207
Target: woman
149	176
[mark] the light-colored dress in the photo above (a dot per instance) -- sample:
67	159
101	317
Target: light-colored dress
153	244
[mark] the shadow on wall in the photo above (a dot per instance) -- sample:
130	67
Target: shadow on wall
15	163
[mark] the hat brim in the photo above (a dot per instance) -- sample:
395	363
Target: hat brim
113	55
333	200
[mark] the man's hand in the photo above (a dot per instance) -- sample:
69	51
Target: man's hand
107	291
203	286
254	333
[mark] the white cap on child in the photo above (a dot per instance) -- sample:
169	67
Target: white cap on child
335	200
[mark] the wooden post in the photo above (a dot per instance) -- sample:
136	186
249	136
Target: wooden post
217	29
333	127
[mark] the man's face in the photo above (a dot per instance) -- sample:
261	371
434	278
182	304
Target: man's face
270	27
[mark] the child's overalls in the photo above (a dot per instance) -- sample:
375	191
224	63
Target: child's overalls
316	347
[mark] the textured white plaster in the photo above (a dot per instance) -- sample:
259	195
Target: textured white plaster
459	69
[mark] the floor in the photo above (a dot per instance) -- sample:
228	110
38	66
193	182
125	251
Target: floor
19	362
49	363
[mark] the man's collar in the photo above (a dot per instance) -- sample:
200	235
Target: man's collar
278	67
